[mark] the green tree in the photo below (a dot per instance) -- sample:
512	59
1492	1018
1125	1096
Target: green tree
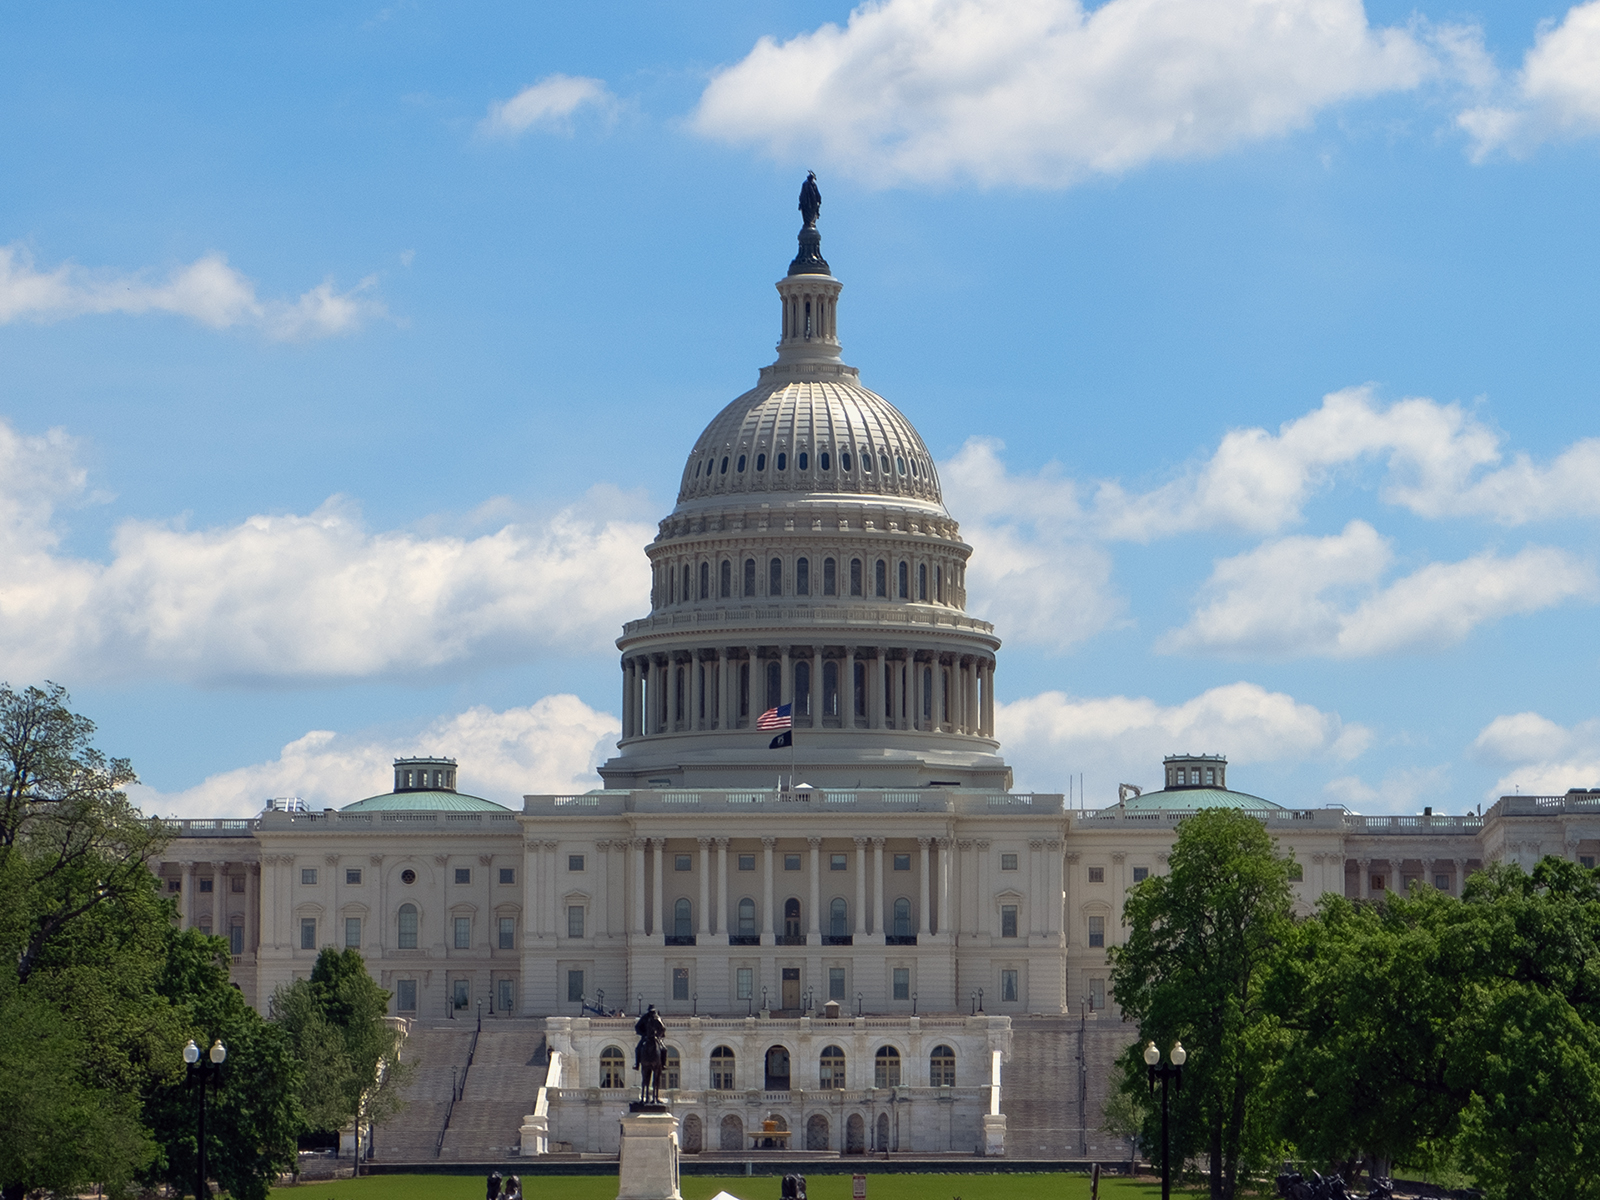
337	1021
1201	944
253	1116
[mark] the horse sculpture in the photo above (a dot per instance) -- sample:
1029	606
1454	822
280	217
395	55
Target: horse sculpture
650	1055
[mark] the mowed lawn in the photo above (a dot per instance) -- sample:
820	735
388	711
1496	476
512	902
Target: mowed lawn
746	1187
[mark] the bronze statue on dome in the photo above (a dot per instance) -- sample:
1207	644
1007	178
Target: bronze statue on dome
810	199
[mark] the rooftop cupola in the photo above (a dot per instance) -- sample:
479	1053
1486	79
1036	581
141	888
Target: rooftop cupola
809	331
424	774
1196	771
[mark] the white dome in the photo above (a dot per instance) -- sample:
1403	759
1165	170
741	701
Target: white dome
810	436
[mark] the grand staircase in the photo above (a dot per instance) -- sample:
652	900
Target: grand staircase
413	1134
1040	1088
507	1072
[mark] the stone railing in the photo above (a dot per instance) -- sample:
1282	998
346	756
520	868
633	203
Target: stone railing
224	827
795	620
945	800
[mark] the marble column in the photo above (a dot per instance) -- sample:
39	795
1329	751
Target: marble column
658	861
191	886
252	904
724	915
697	690
769	915
727	707
880	917
924	888
627	697
601	925
1460	865
985	886
786	687
636	849
945	847
860	865
875	704
705	887
812	927
219	900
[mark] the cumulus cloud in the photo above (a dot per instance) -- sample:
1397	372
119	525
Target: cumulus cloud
1405	790
1121	739
1539	757
309	598
208	290
548	104
1555	95
1046	92
553	745
1323	596
1031	574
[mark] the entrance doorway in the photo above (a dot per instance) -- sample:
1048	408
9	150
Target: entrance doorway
777	1069
791	987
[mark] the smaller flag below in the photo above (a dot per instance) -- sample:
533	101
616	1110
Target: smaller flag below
775	718
786	738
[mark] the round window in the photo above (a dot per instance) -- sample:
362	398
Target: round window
408	876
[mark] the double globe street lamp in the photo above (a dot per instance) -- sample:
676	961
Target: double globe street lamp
203	1072
1164	1072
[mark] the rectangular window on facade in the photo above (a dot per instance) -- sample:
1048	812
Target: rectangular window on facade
352	876
575	986
508	994
902	862
1140	874
463	933
352	932
680	983
902	983
1008	862
791	862
574	862
835	983
174	885
747	862
1008	920
206	885
1097	994
508	874
838	862
1377	883
205	926
1442	882
574	920
308	875
1008	986
405	995
1097	874
1097	931
508	933
463	874
236	939
683	862
744	982
236	883
1586	861
308	933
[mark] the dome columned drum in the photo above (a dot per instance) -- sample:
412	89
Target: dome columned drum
809	562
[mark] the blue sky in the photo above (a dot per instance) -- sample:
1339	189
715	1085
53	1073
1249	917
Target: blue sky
350	354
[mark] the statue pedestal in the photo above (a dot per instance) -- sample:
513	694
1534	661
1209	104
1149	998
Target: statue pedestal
648	1165
994	1134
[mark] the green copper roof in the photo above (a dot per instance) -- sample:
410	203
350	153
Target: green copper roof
1186	799
424	802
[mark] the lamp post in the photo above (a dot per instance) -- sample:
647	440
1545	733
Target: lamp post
1164	1072
203	1072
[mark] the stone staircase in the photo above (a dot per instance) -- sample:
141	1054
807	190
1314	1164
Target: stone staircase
412	1134
1039	1090
507	1072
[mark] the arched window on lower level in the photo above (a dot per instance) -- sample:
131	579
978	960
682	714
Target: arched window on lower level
672	1070
613	1068
942	1067
722	1069
705	581
838	917
408	927
682	917
902	917
747	917
886	1067
830	1073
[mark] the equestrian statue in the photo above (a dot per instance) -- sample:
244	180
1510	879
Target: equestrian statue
650	1055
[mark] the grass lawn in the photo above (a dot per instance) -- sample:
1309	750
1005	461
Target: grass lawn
746	1187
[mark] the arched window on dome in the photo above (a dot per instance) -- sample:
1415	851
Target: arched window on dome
922	581
775	577
899	462
705	581
783	461
844	460
904	571
830	689
740	467
697	468
822	460
802	577
881	579
913	466
761	462
710	463
883	461
684	595
749	577
724	470
801	459
774	685
726	579
938	584
855	577
830	577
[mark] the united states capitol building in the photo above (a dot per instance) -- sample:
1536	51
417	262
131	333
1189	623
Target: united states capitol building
860	926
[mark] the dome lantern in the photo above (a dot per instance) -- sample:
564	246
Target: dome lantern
809	326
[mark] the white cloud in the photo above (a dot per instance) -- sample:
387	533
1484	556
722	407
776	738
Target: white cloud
1299	596
1539	756
1555	95
1043	92
553	745
1030	574
288	597
208	290
1405	790
548	104
1121	739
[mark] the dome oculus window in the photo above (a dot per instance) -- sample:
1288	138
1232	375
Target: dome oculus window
822	460
899	462
697	467
408	876
741	464
866	459
761	462
801	459
844	460
724	470
883	460
783	461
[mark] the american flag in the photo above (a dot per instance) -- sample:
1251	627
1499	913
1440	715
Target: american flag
775	718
